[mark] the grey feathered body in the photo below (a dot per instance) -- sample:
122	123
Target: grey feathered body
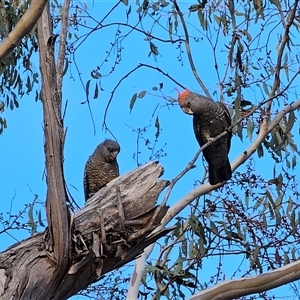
210	119
101	168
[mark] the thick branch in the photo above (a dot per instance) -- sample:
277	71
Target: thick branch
24	26
230	289
27	271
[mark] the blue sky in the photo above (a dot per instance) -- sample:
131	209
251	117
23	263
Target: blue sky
21	144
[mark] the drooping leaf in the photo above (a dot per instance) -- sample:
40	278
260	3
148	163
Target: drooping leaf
31	222
30	214
170	28
260	151
66	66
294	162
266	90
87	87
132	101
96	92
202	20
248	36
197	228
40	219
250	128
290	122
157	126
16	103
286	259
217	19
213	227
153	49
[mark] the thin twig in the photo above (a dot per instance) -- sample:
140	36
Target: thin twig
87	98
126	76
99	24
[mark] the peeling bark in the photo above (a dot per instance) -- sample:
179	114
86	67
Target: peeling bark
27	270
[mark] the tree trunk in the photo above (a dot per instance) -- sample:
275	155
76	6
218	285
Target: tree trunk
56	197
27	269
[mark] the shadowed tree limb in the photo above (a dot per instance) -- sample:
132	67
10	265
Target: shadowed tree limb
56	198
139	190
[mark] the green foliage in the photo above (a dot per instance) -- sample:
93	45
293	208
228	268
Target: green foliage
18	75
254	49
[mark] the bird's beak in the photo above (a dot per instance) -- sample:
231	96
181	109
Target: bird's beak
113	155
187	110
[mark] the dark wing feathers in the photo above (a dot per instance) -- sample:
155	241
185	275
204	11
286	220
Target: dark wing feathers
227	122
209	125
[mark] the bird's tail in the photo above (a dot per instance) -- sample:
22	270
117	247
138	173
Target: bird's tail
219	173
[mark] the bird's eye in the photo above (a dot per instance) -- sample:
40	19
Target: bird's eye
188	103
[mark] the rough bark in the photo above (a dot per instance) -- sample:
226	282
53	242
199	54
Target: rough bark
24	26
56	197
27	270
